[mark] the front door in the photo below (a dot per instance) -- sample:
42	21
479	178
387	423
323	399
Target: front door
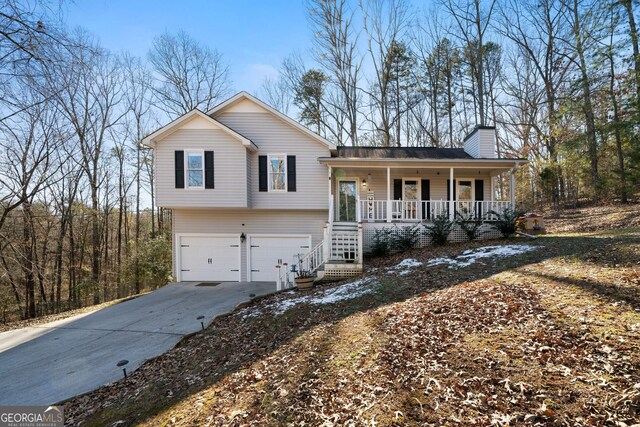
347	198
410	197
465	197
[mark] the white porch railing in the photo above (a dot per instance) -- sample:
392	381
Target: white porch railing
424	210
373	210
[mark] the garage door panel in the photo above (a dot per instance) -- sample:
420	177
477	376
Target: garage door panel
206	258
266	251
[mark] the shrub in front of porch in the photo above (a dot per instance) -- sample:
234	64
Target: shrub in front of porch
405	238
439	229
381	243
471	226
506	221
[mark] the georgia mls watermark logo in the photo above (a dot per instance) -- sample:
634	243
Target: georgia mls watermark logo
31	416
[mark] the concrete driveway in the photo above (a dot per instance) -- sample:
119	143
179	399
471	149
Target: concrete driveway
46	364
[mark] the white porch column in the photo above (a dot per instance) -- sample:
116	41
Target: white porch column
492	196
330	196
452	189
388	194
512	189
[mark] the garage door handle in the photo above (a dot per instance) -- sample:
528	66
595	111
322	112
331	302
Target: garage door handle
210	261
185	270
234	246
184	246
234	270
305	247
255	246
255	271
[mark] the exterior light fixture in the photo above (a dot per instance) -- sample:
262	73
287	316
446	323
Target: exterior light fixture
201	319
364	183
122	364
243	237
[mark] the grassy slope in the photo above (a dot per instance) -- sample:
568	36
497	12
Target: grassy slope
548	337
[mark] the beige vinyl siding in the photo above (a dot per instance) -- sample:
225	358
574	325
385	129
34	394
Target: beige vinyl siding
482	144
230	170
273	136
486	143
471	146
437	183
250	221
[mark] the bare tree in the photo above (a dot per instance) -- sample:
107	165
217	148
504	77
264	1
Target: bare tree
335	40
189	74
538	30
385	23
276	92
582	17
472	20
92	91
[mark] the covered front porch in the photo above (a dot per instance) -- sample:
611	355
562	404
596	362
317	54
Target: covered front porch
417	191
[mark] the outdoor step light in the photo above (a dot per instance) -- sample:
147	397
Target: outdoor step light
122	364
201	319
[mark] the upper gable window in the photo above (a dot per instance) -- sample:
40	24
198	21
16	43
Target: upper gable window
195	169
277	172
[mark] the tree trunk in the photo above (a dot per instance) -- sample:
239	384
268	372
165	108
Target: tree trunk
633	32
26	262
587	107
95	244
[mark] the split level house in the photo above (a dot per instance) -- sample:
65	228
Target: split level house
251	189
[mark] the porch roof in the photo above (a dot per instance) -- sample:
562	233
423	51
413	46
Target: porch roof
402	153
385	162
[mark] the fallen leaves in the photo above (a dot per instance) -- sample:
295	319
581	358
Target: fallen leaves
546	338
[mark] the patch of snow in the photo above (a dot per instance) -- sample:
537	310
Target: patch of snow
343	292
405	266
471	256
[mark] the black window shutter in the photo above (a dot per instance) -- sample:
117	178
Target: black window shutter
179	169
449	189
397	189
425	195
262	173
479	189
479	197
291	173
208	170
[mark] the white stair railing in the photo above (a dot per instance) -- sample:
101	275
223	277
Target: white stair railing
344	246
284	280
314	258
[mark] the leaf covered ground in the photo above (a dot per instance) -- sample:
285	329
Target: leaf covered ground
550	336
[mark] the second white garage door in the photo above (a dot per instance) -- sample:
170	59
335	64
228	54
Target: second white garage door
264	252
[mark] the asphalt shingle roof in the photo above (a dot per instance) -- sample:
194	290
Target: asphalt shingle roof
402	153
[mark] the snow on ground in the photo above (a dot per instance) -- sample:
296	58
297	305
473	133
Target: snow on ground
343	292
471	256
405	266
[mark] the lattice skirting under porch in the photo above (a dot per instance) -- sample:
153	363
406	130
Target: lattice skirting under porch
457	235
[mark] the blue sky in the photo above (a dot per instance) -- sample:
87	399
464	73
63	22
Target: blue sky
254	36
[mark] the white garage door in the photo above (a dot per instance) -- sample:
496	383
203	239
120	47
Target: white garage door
266	251
209	258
